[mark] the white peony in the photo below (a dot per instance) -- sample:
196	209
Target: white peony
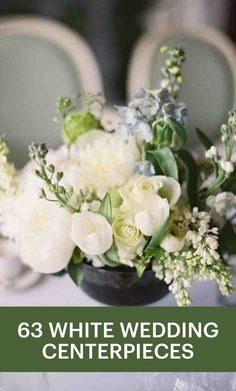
105	160
40	228
150	199
128	238
44	238
91	232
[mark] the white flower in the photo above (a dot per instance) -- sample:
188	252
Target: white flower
105	160
210	153
91	232
10	264
171	243
221	202
128	238
8	178
150	199
44	238
155	210
227	166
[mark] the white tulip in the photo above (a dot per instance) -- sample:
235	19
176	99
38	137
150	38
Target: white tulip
154	211
91	232
171	243
170	189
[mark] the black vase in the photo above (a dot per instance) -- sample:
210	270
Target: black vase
121	286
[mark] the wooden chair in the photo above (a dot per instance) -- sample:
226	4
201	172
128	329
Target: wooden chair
40	60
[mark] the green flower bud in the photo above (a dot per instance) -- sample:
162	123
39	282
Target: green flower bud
77	124
51	168
41	193
61	190
59	175
37	173
52	188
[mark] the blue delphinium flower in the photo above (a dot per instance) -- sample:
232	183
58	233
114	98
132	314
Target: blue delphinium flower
146	107
144	167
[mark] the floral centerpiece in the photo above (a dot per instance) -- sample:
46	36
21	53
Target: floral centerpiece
133	198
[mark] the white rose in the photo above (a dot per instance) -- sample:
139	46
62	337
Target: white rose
150	199
105	160
128	238
171	243
91	232
44	239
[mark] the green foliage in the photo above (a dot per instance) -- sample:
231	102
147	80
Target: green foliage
166	161
105	208
78	123
192	176
104	258
206	142
157	237
78	256
75	272
179	131
227	239
52	178
168	132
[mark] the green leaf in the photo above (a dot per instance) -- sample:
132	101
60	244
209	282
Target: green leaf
157	236
140	268
78	256
154	252
227	239
166	161
206	142
192	178
150	156
112	254
230	184
106	208
75	272
107	261
178	129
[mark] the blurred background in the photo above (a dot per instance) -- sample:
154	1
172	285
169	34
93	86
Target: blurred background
112	27
110	46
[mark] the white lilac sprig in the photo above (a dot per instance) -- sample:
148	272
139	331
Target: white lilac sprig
223	165
200	260
8	176
52	179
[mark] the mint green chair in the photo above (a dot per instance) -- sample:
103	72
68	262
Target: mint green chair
210	74
40	60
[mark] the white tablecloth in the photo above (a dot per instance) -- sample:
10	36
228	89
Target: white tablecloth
61	291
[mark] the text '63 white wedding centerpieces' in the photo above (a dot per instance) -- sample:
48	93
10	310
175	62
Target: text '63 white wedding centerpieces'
131	199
